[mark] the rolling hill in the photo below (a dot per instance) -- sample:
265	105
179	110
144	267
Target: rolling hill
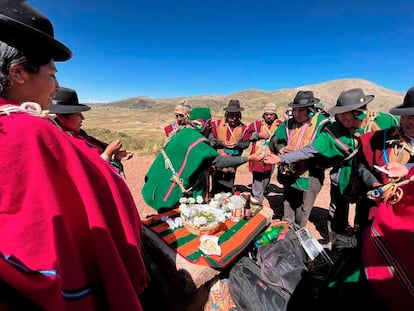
145	117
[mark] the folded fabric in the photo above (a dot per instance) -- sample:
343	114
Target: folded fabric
232	241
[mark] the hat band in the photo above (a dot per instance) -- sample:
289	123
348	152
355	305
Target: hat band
304	101
351	101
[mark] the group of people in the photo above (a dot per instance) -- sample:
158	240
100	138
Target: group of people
366	151
370	151
70	230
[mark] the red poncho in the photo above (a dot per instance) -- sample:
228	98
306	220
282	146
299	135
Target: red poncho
388	251
68	219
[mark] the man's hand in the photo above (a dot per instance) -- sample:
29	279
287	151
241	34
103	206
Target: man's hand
286	150
396	169
256	157
272	159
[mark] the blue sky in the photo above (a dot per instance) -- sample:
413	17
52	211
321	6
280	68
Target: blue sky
166	48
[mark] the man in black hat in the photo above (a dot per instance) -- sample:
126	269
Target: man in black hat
303	180
69	118
337	145
230	137
70	232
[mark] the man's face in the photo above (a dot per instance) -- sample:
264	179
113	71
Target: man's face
348	120
233	118
181	119
407	125
300	114
269	117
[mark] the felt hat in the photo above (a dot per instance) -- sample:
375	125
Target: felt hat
350	100
28	30
184	108
304	99
202	113
407	107
66	102
270	108
233	106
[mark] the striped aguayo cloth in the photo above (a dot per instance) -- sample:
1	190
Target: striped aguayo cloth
232	241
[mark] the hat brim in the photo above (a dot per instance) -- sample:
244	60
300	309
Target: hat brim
233	110
347	108
308	104
66	109
35	41
402	110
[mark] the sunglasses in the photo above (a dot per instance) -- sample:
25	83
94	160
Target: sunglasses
179	115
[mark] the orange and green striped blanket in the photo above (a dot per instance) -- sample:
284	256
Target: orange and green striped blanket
232	241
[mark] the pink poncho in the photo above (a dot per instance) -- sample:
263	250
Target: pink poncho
68	219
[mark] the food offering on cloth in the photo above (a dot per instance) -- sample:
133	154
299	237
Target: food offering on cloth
200	218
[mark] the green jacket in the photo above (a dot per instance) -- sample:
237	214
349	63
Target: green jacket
337	144
280	140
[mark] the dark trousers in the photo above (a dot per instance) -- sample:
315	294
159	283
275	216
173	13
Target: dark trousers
339	212
298	204
260	183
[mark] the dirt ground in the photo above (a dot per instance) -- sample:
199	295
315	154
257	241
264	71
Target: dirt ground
135	170
137	167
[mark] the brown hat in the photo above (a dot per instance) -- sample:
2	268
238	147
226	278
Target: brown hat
350	100
304	99
28	30
233	106
407	107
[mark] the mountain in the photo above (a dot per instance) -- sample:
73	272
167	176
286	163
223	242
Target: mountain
143	117
254	100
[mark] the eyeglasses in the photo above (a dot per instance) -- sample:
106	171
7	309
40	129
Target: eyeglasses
179	115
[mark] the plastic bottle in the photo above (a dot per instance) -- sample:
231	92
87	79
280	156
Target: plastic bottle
267	236
236	212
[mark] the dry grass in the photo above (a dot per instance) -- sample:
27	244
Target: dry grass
139	121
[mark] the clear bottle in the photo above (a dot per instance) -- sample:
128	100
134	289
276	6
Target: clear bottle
237	210
267	236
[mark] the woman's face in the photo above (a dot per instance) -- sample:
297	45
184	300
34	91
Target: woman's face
39	87
44	85
407	125
71	122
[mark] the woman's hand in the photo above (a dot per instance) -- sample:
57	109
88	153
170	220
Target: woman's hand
123	155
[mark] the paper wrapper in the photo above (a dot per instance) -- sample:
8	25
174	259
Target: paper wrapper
209	245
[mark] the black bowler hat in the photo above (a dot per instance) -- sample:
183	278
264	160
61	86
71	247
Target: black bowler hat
66	101
351	100
28	30
407	107
304	99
